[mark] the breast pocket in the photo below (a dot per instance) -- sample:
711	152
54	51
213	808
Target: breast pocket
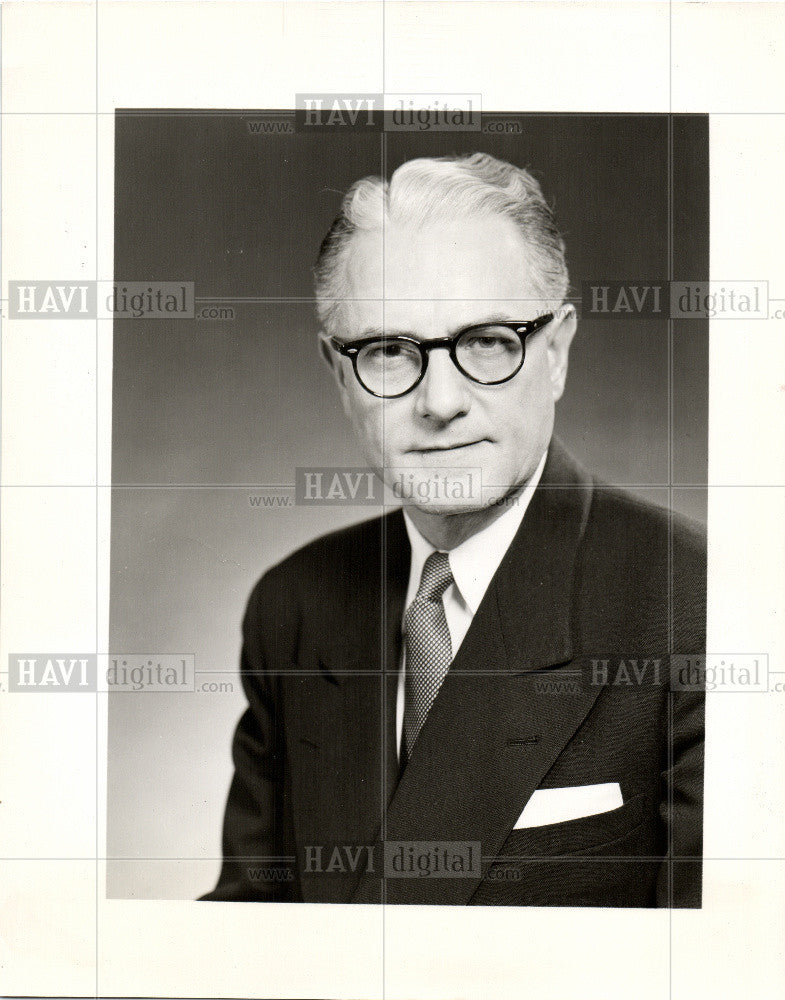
586	834
608	859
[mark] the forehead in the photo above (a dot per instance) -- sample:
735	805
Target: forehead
438	277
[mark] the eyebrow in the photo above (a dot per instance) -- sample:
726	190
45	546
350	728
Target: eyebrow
375	331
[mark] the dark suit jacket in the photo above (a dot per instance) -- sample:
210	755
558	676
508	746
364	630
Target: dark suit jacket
593	575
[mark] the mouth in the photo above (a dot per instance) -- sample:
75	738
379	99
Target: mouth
435	449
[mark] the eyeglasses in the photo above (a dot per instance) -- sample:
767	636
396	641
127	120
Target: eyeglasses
488	353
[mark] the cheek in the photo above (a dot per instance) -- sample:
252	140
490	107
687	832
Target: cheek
527	418
368	422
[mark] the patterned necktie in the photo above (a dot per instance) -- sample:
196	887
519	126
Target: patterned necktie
428	647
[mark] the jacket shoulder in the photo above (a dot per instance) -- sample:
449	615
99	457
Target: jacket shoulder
644	568
329	561
635	524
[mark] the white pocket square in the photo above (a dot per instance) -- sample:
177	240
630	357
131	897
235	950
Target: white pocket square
558	805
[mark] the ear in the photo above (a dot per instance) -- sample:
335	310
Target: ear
332	359
559	334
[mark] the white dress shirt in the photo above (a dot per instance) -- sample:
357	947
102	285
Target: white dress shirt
473	564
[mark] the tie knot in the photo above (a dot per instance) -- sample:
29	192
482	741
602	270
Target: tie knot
436	577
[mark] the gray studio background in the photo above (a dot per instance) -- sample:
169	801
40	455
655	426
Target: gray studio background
206	413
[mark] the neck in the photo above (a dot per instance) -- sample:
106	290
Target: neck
448	531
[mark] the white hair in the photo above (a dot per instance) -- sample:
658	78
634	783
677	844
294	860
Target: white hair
435	189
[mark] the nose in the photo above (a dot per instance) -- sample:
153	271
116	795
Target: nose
444	392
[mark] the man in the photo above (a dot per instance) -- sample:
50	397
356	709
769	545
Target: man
443	706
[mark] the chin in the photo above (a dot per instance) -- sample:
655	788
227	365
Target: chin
445	509
437	489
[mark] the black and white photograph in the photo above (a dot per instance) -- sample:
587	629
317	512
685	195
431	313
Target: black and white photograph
462	691
391	494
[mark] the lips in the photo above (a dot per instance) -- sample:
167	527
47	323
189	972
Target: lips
430	449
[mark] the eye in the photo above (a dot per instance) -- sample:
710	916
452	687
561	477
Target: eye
384	350
488	340
388	352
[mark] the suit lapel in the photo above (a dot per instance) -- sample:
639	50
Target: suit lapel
495	729
348	768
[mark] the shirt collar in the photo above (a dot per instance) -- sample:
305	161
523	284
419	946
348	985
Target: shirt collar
473	562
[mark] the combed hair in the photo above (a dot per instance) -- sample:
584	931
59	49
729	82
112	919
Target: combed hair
435	189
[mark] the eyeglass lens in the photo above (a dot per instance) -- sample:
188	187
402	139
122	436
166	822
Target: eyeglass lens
485	354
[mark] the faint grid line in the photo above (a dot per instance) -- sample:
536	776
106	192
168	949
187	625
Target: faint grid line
669	700
243	113
383	157
98	704
494	859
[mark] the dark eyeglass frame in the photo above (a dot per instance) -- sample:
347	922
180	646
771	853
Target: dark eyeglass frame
351	349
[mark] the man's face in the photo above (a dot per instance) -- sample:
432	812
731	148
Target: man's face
430	283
